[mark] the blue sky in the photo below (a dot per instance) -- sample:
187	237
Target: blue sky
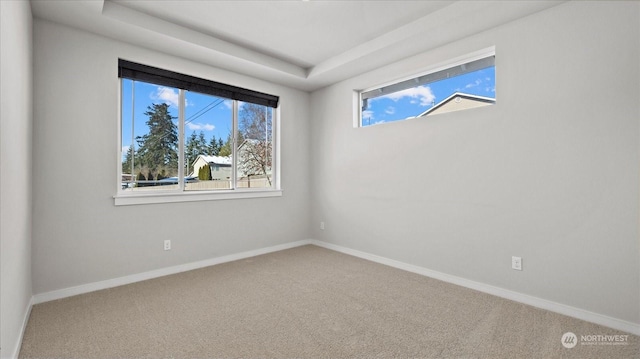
209	114
414	101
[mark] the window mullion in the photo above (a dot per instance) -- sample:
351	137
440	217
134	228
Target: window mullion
234	146
273	147
132	148
181	174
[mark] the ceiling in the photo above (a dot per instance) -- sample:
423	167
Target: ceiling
302	44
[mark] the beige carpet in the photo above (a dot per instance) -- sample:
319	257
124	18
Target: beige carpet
306	302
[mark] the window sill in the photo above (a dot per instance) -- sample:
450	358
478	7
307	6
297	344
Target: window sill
128	199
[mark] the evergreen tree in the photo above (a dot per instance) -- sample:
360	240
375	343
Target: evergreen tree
202	144
128	161
225	149
196	145
214	146
191	151
157	149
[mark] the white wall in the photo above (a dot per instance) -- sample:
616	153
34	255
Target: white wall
15	171
79	236
550	173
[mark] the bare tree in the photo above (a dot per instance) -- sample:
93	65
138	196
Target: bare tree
255	153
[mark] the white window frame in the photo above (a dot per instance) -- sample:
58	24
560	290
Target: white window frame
124	198
458	61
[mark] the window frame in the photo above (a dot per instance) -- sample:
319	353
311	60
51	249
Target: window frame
123	198
431	71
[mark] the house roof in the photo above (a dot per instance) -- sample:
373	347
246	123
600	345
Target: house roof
222	160
219	160
487	100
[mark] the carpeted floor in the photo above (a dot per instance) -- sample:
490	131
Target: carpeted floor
306	302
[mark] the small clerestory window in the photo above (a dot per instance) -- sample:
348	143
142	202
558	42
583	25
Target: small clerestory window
462	85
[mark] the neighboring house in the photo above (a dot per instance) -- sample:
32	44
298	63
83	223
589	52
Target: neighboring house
250	157
459	101
220	166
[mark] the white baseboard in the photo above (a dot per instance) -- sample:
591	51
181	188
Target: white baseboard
110	283
574	312
18	345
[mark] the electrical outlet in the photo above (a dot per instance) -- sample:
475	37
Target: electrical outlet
167	244
322	225
516	263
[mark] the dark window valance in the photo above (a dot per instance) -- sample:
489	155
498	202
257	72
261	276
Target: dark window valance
139	72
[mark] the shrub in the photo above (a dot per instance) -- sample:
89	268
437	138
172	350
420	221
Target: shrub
204	173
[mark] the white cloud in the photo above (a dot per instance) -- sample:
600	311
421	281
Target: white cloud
168	95
378	122
473	84
390	110
227	103
200	126
420	93
367	114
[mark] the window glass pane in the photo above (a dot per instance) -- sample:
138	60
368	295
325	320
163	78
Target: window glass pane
128	137
208	143
255	146
159	121
149	136
459	92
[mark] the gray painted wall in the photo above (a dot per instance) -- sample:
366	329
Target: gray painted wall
79	236
15	171
550	173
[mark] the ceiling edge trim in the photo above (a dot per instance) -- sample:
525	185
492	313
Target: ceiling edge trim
135	18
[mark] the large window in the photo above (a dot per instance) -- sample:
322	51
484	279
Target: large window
463	85
181	134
